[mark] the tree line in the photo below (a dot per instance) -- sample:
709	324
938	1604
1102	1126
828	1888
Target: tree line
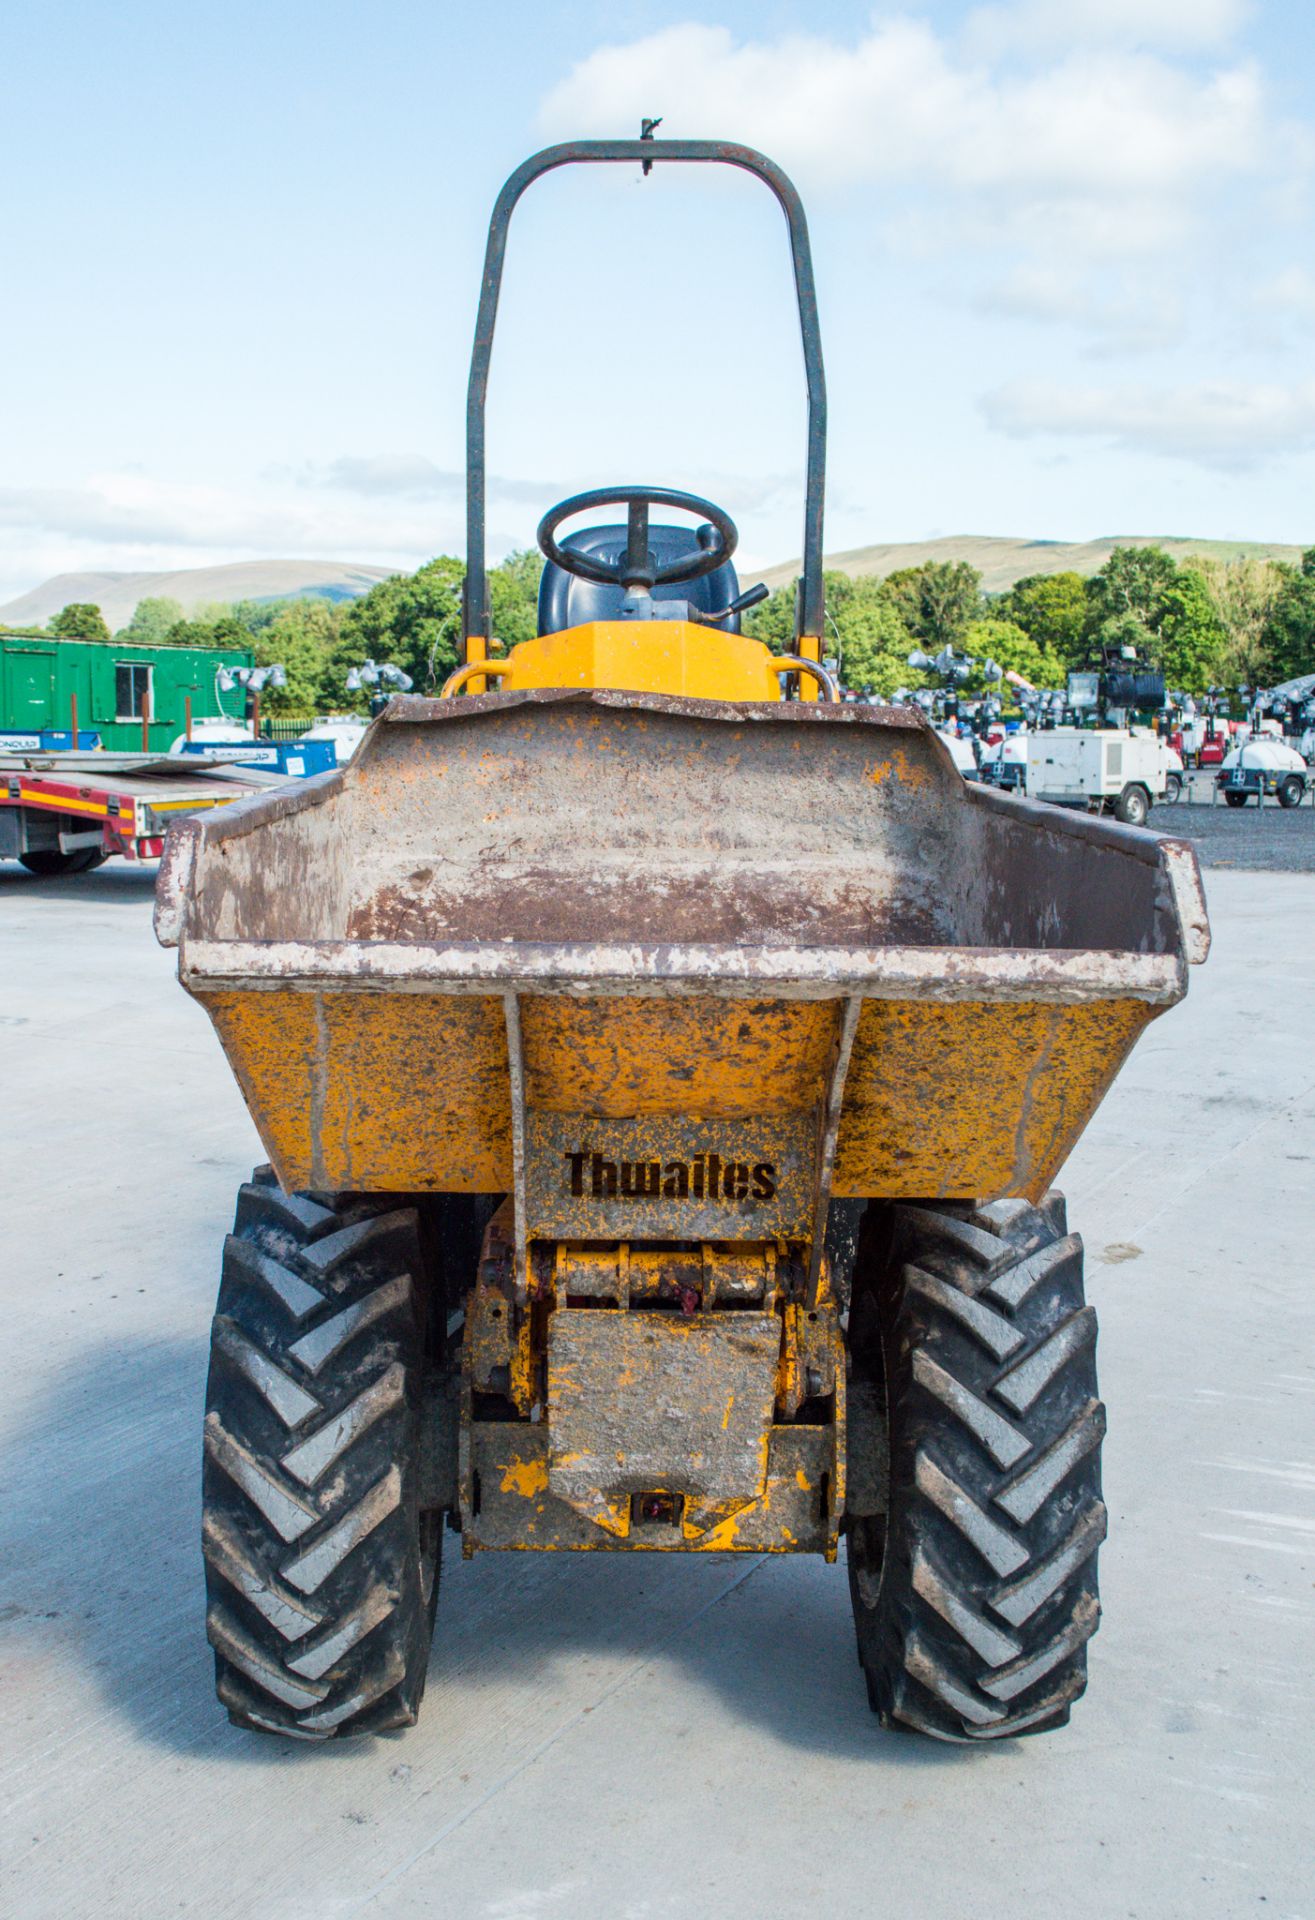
1204	622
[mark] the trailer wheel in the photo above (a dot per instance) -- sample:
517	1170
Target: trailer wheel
1291	791
1173	786
1238	799
1132	805
975	1593
46	862
321	1569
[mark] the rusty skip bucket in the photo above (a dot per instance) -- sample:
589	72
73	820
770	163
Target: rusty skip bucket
667	968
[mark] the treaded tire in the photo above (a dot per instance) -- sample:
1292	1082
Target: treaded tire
321	1570
1292	791
1239	799
975	1597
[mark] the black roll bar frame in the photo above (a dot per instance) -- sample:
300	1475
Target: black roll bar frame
810	607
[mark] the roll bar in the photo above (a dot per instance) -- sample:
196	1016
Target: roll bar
644	152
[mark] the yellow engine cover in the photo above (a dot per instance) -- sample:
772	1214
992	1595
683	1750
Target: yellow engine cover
639	656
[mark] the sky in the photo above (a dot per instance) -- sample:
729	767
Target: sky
1063	253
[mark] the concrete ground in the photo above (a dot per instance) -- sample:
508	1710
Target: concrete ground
650	1740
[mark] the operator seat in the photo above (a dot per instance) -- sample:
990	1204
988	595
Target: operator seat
565	601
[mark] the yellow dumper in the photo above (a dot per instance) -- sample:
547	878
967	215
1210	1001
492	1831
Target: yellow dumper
662	1067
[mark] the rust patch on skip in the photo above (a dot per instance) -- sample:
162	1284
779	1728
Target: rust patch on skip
730	1059
971	1100
272	1045
386	1092
318	1089
605	898
897	764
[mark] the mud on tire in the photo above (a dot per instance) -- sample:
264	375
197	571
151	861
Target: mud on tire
321	1571
975	1594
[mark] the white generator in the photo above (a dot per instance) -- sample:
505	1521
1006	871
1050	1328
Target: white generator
1103	770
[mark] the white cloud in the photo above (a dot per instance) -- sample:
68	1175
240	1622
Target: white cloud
1223	424
391	510
410	474
358	503
415	477
1290	294
902	104
1131	315
1176	24
1110	167
130	523
129	510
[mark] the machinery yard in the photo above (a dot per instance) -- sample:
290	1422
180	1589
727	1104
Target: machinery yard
666	1105
588	1721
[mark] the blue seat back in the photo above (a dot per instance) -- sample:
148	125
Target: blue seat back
565	601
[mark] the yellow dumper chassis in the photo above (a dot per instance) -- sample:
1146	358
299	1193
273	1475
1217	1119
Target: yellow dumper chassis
577	1017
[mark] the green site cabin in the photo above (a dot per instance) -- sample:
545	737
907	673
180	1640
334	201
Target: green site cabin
112	681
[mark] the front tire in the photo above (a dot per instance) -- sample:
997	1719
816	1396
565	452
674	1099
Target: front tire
1132	805
321	1569
975	1593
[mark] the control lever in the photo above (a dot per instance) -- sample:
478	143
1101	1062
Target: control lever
751	597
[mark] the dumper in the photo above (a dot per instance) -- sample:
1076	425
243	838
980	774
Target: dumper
663	1067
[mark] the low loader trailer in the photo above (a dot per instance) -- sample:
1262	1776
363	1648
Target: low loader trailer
69	812
663	1068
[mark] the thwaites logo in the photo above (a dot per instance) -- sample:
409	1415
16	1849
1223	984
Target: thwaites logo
704	1176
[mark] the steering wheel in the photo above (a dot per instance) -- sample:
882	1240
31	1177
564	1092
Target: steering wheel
636	567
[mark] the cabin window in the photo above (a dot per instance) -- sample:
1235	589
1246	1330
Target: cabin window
133	691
